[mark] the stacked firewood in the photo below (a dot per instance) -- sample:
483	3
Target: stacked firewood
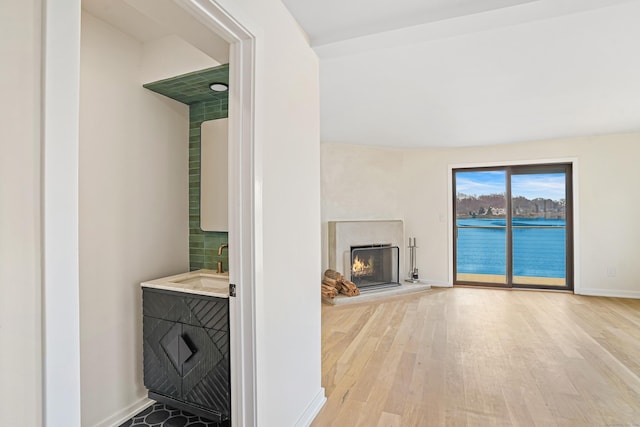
329	291
334	283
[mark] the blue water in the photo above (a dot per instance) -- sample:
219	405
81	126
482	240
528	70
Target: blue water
537	252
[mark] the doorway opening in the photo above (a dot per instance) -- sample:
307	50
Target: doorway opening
513	226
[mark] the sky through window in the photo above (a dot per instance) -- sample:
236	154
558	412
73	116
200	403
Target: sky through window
531	186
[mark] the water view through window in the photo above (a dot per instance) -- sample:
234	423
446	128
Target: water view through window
538	247
511	226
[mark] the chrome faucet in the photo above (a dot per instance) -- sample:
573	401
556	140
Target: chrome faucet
221	248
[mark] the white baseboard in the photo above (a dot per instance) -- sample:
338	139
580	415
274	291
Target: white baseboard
312	409
123	415
435	284
612	293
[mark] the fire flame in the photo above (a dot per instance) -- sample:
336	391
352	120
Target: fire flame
362	268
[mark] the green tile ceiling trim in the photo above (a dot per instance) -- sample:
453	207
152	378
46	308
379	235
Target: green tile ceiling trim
193	87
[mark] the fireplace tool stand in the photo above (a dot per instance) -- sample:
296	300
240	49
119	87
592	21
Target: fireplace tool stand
413	268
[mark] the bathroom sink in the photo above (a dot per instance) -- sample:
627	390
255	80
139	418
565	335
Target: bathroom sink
202	282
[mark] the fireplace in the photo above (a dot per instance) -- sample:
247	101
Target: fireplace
375	266
367	253
347	236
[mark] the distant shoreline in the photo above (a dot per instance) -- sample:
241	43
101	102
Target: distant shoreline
538	216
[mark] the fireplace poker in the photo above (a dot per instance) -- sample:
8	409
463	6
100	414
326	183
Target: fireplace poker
413	269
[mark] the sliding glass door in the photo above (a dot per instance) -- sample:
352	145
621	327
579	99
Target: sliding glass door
481	231
513	226
539	224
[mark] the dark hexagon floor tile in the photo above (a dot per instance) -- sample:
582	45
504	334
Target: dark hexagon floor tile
161	415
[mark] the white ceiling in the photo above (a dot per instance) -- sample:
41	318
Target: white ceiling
329	21
471	72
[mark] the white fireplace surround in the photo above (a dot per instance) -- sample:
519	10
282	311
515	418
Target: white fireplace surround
345	234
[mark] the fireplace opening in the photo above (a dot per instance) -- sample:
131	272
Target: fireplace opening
375	266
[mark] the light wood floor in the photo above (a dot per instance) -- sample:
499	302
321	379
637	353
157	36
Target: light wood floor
482	357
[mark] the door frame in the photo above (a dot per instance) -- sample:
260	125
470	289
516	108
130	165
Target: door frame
574	197
244	203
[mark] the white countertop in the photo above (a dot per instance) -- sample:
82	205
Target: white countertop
199	282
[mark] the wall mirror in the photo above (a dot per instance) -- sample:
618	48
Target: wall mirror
214	185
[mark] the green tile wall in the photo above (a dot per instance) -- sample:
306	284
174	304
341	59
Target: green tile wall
203	245
193	89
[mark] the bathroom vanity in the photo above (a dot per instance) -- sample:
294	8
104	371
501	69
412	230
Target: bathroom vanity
186	342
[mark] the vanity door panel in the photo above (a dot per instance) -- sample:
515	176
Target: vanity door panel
207	312
165	305
162	372
206	376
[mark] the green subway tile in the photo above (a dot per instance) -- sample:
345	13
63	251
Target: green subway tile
211	244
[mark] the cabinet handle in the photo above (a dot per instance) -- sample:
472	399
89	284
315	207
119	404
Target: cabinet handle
185	350
179	351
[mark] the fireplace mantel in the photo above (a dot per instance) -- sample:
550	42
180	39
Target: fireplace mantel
345	234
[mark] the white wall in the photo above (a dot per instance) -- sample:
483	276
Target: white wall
359	183
361	187
171	56
20	244
133	212
288	193
606	230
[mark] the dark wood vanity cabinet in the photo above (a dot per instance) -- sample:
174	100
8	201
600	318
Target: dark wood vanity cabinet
186	351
